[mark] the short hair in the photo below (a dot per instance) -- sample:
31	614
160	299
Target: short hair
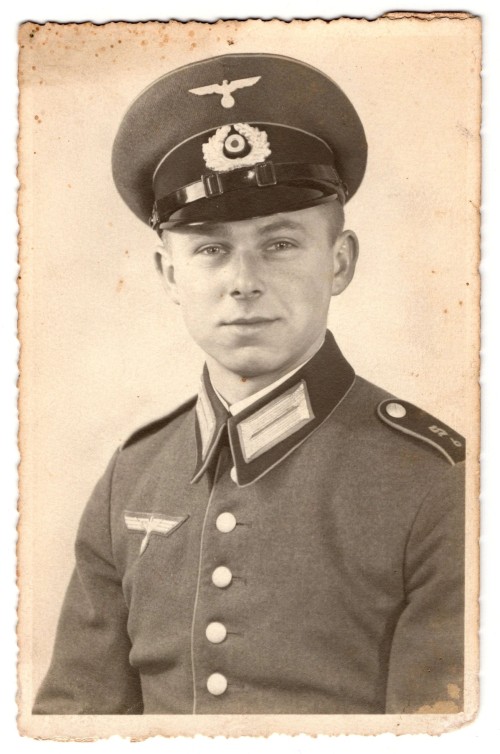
333	210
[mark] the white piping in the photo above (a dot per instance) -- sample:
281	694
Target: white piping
198	584
210	130
209	457
415	434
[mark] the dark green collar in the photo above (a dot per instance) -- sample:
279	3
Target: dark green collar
267	431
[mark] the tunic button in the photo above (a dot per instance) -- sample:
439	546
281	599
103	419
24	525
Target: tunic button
216	632
396	410
222	577
233	476
216	684
225	522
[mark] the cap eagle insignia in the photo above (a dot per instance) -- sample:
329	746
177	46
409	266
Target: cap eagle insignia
225	89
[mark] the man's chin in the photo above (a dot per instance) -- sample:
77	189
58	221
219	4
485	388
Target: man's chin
250	371
254	366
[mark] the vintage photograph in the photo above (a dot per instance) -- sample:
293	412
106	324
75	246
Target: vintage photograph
249	322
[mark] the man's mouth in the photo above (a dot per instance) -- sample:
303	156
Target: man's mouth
249	321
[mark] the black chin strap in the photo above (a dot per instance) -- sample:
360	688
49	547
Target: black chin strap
320	177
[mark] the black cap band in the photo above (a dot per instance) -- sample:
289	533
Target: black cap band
322	179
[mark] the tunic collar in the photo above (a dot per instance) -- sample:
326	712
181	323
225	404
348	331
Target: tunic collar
272	427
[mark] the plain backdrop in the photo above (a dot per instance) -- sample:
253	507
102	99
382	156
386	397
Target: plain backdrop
128	414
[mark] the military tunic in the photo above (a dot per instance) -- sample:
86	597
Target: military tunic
304	556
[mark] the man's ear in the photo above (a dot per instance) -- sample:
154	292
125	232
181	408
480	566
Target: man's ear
345	255
165	268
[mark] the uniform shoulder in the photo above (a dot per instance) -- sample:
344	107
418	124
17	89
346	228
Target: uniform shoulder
406	420
152	428
410	420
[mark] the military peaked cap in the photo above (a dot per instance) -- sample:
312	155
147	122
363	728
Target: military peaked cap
237	136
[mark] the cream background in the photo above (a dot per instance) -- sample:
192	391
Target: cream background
102	350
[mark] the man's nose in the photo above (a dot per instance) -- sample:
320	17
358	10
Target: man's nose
246	281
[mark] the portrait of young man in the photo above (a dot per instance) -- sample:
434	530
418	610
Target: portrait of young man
289	538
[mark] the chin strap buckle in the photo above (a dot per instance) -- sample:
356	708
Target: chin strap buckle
265	174
212	184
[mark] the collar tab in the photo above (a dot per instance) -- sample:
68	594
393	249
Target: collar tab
267	431
274	422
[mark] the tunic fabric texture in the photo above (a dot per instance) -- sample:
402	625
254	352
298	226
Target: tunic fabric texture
342	559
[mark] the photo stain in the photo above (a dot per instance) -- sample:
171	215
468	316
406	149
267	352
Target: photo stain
453	691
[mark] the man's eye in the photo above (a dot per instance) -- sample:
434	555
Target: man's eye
210	251
281	245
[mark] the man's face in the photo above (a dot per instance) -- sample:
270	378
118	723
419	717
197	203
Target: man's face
255	293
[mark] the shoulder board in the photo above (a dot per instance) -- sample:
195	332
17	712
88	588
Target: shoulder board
157	424
412	421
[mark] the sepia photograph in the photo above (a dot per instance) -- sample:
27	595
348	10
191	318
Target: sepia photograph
249	405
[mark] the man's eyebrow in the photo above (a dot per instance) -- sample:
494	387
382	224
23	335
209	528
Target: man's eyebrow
203	229
277	225
221	229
